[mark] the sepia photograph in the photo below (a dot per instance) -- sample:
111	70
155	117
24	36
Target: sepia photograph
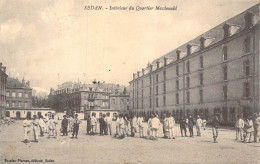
130	81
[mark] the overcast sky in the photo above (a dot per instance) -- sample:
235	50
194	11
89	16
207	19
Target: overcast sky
52	41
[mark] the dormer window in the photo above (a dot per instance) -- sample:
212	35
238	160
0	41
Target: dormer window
205	41
158	64
165	61
191	48
178	54
230	29
249	20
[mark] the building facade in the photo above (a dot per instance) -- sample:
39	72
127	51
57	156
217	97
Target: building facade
18	96
120	102
22	113
3	84
215	73
82	98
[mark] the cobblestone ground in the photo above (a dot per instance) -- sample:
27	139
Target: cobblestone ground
106	149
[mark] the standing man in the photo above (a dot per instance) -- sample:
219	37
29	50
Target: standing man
155	126
198	126
35	124
52	127
190	125
215	124
93	123
183	126
140	123
108	121
64	124
256	126
170	126
27	128
76	123
239	128
102	124
133	126
42	125
88	124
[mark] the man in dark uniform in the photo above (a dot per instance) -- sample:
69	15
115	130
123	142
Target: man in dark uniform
183	126
64	125
215	124
102	124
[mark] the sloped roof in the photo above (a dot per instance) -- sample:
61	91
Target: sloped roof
15	83
217	32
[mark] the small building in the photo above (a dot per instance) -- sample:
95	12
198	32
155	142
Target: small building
21	113
3	80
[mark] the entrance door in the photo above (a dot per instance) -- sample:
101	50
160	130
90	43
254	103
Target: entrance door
7	113
29	114
18	115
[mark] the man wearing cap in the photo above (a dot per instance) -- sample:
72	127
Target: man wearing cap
64	124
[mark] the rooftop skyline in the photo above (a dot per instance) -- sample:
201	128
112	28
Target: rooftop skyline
50	42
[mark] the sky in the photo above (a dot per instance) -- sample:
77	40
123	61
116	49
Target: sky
53	41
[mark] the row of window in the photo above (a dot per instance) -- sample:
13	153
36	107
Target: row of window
19	104
122	101
18	94
246	94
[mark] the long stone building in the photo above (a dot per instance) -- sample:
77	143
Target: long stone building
215	73
3	85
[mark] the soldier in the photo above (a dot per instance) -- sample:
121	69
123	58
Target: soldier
183	126
190	125
140	123
133	126
35	124
108	120
27	128
239	128
215	124
76	123
88	124
52	127
64	124
198	125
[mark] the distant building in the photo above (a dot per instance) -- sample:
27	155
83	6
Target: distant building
120	102
217	73
82	98
3	82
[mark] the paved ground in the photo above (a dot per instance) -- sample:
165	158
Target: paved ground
105	149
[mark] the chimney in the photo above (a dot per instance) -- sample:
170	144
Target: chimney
143	71
28	82
23	82
178	53
138	74
1	66
133	76
158	64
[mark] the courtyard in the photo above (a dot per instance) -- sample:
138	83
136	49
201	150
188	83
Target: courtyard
106	149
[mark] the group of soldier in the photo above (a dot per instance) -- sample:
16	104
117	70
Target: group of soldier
48	124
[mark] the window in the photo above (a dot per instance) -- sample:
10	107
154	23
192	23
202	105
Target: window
164	75
201	78
177	98
19	94
13	103
19	104
137	94
177	84
150	91
150	102
7	103
156	78
150	80
142	93
13	94
8	94
25	104
142	103
246	68
201	95
246	90
225	72
157	102
26	95
225	92
201	62
121	101
188	82
164	100
247	45
187	97
157	90
164	87
225	57
188	66
137	104
177	70
142	83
